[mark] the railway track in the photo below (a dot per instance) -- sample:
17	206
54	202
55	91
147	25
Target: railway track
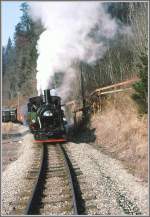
54	188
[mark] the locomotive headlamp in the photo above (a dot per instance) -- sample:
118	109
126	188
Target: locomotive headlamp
47	114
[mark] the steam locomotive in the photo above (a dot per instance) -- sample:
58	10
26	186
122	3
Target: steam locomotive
46	118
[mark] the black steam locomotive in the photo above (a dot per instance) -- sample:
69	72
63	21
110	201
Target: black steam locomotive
46	118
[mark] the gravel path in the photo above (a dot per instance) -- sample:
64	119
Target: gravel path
13	178
11	149
12	142
117	192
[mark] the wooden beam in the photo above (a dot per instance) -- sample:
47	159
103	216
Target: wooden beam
70	102
115	85
115	91
106	88
78	110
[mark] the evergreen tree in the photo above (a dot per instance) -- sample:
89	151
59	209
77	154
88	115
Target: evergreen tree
19	57
119	10
141	87
26	36
3	61
8	49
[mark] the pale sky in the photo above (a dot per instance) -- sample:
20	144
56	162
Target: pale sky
10	17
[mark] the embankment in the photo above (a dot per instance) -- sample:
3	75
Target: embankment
123	134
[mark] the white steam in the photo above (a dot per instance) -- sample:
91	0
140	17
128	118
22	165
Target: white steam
69	26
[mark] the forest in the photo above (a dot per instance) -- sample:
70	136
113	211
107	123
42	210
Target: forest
125	58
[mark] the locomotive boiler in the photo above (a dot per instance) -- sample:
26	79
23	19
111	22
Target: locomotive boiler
46	118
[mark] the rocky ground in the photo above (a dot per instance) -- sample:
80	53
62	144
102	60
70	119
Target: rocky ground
20	149
12	142
117	192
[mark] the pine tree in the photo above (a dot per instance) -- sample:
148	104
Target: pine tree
3	61
8	70
8	48
26	36
19	57
141	87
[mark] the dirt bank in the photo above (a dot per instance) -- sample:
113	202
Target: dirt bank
121	133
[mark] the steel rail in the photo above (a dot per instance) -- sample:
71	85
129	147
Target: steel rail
70	181
28	209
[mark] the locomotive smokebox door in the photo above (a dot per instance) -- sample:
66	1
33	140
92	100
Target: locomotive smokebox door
47	96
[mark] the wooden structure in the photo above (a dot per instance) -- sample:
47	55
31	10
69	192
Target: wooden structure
114	86
95	99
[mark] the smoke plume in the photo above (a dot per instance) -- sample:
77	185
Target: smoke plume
73	30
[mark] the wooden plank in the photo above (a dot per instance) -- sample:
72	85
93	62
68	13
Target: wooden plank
108	92
115	91
78	110
70	102
115	85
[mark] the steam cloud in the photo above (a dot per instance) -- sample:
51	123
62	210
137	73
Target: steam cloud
72	30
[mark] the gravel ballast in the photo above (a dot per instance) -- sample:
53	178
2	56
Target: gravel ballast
117	192
13	178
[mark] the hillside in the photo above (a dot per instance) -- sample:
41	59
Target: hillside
122	133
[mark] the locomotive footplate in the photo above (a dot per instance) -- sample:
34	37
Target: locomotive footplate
50	137
50	140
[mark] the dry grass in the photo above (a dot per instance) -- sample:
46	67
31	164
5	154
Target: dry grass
123	134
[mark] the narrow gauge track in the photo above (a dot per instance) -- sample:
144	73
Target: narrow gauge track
53	192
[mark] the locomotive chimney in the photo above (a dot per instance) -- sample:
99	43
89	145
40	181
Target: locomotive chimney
47	96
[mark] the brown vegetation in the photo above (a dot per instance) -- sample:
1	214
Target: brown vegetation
123	134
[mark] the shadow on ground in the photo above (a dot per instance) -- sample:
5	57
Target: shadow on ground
83	135
14	135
